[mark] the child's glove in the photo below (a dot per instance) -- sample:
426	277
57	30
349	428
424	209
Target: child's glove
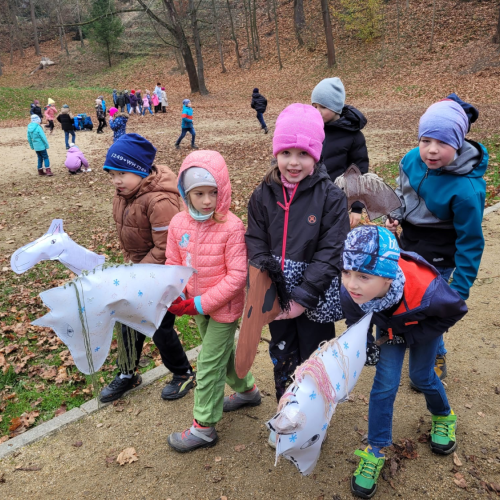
181	307
295	310
372	354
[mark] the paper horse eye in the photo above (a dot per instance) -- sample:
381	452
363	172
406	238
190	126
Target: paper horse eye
69	331
53	242
311	441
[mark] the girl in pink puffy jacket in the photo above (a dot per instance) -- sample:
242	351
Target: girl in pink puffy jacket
211	239
75	160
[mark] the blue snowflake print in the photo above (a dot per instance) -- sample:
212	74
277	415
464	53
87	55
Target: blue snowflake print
346	345
335	353
96	349
329	407
355	373
144	321
82	309
293	438
343	376
312	395
140	293
111	313
324	427
357	354
182	280
337	387
116	282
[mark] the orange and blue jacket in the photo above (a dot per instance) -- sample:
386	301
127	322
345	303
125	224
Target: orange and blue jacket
187	117
428	308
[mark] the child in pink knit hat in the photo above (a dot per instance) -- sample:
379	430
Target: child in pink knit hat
297	224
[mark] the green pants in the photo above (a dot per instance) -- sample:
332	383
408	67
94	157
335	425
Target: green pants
215	367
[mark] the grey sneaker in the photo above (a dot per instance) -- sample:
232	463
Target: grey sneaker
238	400
193	438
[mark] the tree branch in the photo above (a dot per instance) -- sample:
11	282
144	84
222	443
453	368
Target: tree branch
100	17
156	18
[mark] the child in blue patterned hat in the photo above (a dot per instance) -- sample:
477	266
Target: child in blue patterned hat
412	307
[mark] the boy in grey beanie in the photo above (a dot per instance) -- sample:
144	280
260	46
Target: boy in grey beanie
344	142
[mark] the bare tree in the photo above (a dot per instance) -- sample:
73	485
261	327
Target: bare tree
33	22
78	15
14	28
197	47
299	20
277	34
217	35
496	36
249	46
233	35
256	31
330	48
433	19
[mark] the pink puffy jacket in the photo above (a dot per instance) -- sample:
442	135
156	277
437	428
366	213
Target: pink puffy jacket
75	159
50	112
216	250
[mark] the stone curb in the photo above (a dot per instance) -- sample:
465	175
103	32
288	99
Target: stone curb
57	423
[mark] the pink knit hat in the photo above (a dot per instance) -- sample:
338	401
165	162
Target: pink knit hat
113	111
299	126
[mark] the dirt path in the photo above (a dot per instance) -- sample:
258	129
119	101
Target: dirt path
90	472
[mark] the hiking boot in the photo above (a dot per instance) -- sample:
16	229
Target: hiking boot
179	386
177	146
440	367
118	387
41	172
266	130
364	479
193	146
443	440
238	400
193	438
48	172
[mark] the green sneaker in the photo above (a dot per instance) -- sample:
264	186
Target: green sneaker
443	440
364	479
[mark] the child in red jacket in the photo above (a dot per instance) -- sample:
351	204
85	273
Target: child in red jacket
211	239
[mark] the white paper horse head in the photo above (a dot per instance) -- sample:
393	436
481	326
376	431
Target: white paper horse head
326	379
83	312
55	244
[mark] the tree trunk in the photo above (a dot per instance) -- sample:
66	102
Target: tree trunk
64	43
433	19
197	47
496	36
80	34
299	20
248	33
257	41
15	28
217	35
277	34
109	53
11	40
180	36
33	22
330	48
397	6
407	4
268	8
233	36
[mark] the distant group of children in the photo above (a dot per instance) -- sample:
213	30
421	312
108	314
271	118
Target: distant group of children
300	230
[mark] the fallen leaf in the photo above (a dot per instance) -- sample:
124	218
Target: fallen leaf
461	483
218	459
127	456
456	460
60	410
77	444
239	447
99	425
481	414
3	439
2	478
495	487
468	405
29	468
49	373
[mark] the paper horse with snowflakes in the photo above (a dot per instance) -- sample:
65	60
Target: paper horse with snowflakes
55	244
320	383
83	312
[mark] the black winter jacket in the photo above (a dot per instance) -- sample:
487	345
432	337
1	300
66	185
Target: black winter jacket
127	98
428	308
259	103
66	122
345	144
317	227
120	101
100	113
36	110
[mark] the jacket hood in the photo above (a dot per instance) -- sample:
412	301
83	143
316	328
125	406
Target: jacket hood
160	179
216	165
256	94
471	160
73	149
351	119
32	127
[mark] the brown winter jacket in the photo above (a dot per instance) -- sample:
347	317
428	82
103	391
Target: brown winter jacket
142	217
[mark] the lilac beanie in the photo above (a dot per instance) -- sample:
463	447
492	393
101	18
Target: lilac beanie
299	126
445	121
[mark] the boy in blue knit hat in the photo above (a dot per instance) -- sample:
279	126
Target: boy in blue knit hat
145	201
442	193
412	307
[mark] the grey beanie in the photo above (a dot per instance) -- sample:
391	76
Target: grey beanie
196	177
330	93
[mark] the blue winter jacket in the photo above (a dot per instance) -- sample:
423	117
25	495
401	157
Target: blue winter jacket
37	138
428	308
442	211
187	117
119	125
